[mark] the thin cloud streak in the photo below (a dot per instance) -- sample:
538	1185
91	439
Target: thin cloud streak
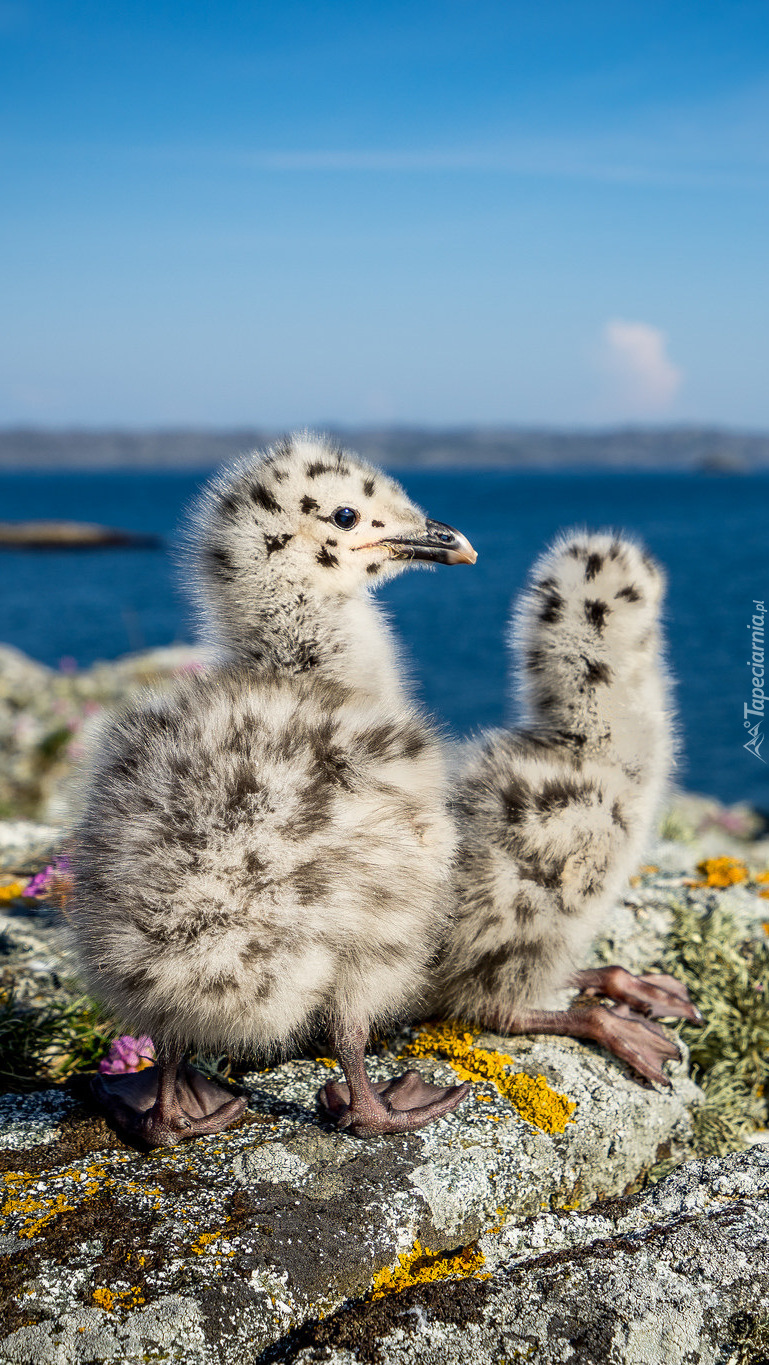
541	160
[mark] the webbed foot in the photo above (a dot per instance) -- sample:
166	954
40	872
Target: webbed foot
166	1104
643	1045
633	1038
398	1106
656	995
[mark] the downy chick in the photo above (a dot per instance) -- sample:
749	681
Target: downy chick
266	847
553	817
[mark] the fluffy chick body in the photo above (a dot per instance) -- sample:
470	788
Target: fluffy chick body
267	844
258	855
554	816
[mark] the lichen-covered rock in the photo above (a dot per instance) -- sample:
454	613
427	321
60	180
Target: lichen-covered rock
48	716
678	1275
215	1250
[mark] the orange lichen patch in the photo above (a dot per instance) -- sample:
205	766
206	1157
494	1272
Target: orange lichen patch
722	872
422	1266
648	870
204	1240
535	1101
11	891
327	1061
761	877
47	1209
110	1299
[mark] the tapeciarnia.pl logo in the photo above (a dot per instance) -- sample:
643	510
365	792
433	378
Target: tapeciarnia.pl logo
756	706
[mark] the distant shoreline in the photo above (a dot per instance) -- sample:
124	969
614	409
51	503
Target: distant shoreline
701	449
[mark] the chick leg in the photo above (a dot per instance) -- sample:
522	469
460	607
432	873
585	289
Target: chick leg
397	1106
657	996
641	1044
167	1103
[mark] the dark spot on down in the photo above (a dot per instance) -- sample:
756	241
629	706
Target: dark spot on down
571	737
263	498
543	873
311	882
332	542
515	800
558	793
630	594
596	613
219	561
315	810
551	609
593	566
372	568
318	467
273	543
597	672
379	525
414	744
618	816
217	986
309	504
368	487
378	741
325	558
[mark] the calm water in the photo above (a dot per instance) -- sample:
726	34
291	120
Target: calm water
711	533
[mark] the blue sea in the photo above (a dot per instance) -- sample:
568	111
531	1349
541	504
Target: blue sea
711	532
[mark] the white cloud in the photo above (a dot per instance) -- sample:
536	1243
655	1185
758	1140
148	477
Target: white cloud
642	380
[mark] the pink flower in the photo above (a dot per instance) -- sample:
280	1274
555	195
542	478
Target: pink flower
128	1054
40	884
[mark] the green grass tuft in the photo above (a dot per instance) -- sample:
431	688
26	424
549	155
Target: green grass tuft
42	1046
728	977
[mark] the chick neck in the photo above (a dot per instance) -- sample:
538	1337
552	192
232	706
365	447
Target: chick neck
335	638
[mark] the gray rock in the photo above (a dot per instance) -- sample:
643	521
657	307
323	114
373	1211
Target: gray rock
48	718
27	845
678	1275
216	1250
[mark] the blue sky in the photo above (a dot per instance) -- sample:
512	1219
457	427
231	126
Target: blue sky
429	212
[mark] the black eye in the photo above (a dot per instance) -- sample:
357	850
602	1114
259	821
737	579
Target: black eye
345	518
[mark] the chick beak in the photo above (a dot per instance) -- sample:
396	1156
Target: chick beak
438	544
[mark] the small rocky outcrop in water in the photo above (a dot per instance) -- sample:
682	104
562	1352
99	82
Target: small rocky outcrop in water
69	535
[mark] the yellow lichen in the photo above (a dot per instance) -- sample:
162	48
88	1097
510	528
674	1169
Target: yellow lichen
422	1266
11	891
204	1240
109	1299
722	872
535	1101
648	870
46	1208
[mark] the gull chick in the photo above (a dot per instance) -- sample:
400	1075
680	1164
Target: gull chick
553	817
266	848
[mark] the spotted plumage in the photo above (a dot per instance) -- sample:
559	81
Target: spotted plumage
554	817
266	847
